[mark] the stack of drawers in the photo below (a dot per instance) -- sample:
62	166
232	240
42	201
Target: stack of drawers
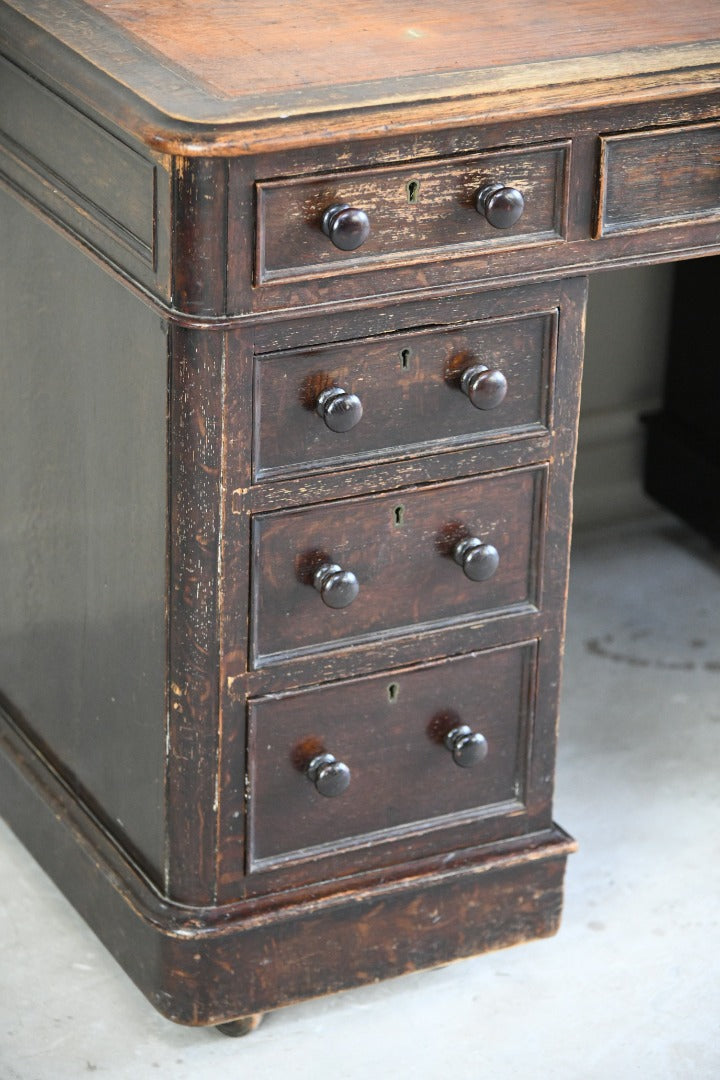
402	530
406	557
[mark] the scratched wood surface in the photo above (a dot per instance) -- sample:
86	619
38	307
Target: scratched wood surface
400	548
409	387
205	104
441	215
389	730
303	44
196	64
306	43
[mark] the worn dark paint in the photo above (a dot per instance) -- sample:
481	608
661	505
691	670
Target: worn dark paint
659	177
196	426
234	311
402	775
408	577
409	386
82	501
186	960
290	242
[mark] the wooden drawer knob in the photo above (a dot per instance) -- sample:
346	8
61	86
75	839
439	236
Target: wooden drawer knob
330	777
337	587
340	410
478	560
467	747
501	206
486	387
347	227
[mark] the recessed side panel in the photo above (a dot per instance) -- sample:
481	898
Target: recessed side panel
89	177
83	507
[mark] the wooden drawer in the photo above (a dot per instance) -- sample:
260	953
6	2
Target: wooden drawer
390	732
410	393
659	177
414	210
400	550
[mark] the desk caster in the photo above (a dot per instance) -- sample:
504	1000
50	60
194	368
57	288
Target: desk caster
242	1026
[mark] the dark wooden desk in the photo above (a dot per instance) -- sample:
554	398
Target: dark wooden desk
293	316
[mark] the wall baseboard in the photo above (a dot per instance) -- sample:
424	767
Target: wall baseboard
608	478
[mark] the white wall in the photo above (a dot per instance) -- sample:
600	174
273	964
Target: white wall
628	319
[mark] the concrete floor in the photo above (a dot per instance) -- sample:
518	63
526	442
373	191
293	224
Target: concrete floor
629	988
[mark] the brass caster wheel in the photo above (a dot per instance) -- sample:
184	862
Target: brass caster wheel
242	1026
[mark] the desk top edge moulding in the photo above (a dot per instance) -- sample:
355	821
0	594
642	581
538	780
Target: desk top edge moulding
206	78
292	311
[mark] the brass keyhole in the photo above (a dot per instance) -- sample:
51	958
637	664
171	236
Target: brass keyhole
392	691
405	358
398	515
413	188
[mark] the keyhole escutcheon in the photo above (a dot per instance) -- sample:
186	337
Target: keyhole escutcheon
413	189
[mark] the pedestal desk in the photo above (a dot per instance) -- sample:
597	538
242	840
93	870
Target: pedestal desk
293	307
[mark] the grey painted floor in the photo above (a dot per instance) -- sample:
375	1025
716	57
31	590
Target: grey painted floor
629	988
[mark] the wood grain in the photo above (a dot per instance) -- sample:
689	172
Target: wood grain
389	731
185	63
408	578
409	386
442	215
176	814
304	44
204	965
659	177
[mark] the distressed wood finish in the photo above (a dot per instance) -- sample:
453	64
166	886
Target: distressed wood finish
396	651
503	259
195	522
389	729
186	959
400	548
180	515
419	208
409	387
659	177
414	70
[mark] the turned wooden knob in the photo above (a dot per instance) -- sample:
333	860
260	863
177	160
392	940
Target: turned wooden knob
340	410
486	387
337	587
330	777
501	206
467	747
478	560
347	227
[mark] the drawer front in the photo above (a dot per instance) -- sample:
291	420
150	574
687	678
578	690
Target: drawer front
659	177
410	393
401	550
414	210
392	733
